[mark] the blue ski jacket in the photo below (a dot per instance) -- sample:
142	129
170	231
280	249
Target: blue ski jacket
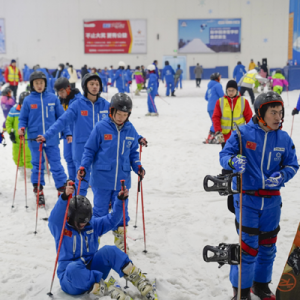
64	73
213	93
83	115
121	79
239	72
103	78
113	153
266	152
152	83
40	111
84	244
129	74
168	74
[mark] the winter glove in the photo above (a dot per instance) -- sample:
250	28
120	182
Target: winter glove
149	90
274	180
143	142
219	137
81	173
295	111
122	196
12	137
238	163
109	83
129	82
141	173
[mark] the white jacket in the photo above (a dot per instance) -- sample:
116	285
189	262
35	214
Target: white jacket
73	75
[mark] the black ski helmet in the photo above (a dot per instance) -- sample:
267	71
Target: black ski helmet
263	101
86	78
278	71
37	75
120	102
61	83
80	211
22	97
215	76
6	91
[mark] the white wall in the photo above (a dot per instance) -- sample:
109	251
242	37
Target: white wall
51	32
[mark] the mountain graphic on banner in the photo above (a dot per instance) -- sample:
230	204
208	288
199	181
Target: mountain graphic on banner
195	45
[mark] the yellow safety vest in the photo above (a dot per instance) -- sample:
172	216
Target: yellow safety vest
250	78
229	116
13	75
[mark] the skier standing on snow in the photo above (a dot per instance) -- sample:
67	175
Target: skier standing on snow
168	74
178	77
138	75
7	102
13	76
152	91
278	81
112	148
81	266
198	74
39	111
120	78
269	161
239	72
129	79
213	93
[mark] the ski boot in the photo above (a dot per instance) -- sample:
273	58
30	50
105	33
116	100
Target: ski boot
294	261
154	114
137	93
148	114
41	194
139	280
119	239
173	94
245	294
262	291
111	288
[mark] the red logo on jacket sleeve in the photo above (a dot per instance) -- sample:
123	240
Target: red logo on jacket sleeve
84	113
251	146
107	137
68	232
33	106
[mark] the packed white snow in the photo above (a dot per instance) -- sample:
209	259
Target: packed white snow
181	218
195	46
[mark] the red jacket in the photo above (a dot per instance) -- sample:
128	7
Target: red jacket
13	83
216	118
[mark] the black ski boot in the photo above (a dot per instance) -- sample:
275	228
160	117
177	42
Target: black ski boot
41	194
173	94
294	261
245	294
262	291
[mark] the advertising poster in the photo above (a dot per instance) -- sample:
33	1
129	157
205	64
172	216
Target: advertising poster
209	35
294	32
2	37
115	36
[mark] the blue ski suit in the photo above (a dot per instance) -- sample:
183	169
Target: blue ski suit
168	75
113	153
111	76
266	152
104	81
157	74
152	84
120	78
238	73
39	111
129	78
213	93
80	263
82	115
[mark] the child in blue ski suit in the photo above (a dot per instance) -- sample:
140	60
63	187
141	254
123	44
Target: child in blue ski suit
112	148
238	72
168	75
81	266
82	115
129	79
39	111
269	161
120	78
152	91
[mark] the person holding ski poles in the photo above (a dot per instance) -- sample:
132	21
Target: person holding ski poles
152	91
269	161
82	268
112	148
39	111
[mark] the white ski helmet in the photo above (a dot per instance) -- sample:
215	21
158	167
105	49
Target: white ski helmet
122	64
151	67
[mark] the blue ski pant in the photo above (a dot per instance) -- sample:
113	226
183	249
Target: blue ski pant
79	278
170	87
151	103
211	112
56	168
102	198
256	268
179	82
69	160
121	89
84	183
127	88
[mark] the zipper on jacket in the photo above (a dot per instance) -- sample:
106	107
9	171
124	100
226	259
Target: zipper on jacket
46	111
123	147
81	245
261	167
117	167
87	244
74	245
93	114
43	118
98	118
269	161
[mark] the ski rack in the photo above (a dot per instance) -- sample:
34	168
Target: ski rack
222	184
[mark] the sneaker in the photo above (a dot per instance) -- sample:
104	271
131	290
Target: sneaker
245	295
148	114
119	239
41	195
262	291
154	114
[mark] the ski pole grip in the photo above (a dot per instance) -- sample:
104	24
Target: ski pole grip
123	184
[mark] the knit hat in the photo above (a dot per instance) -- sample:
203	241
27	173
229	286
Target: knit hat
231	84
13	61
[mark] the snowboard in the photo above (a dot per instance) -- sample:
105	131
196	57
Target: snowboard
289	284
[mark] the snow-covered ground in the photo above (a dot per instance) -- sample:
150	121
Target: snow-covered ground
181	218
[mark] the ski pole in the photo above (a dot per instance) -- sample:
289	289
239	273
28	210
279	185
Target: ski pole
47	166
124	216
292	126
142	198
138	190
38	187
152	102
163	99
17	172
79	183
60	240
24	152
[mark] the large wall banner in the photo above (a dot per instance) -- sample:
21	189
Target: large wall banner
115	36
209	35
2	37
